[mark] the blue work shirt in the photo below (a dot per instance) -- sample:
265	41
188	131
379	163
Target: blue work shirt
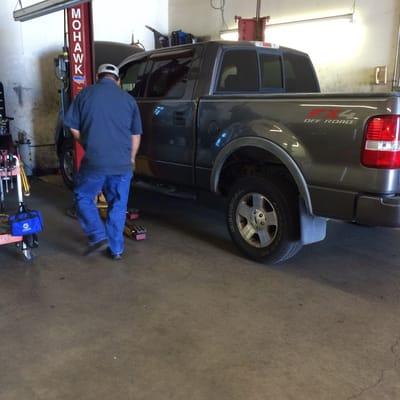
106	117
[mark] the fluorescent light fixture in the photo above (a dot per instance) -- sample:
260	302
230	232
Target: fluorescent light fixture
233	34
338	17
44	8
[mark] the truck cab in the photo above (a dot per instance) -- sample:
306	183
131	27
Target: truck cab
168	84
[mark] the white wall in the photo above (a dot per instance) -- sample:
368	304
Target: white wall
343	53
127	17
27	50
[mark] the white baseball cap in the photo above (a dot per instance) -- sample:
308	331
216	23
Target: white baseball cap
108	69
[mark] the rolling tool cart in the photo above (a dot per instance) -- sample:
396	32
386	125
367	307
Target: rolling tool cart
18	229
21	228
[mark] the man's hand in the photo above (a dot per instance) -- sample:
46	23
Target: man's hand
76	134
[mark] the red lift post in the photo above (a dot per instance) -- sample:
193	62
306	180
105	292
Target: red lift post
80	54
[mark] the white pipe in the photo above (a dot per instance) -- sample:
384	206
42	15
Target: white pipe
19	181
258	10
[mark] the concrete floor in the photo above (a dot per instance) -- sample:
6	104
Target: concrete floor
184	316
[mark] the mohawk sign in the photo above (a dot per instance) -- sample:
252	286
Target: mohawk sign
80	47
80	58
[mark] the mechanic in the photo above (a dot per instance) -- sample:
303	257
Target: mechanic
106	121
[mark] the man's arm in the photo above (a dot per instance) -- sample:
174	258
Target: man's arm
72	119
135	147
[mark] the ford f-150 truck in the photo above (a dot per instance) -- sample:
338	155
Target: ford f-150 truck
247	121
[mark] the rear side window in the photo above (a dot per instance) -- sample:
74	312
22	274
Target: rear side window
271	71
299	74
133	78
239	72
169	77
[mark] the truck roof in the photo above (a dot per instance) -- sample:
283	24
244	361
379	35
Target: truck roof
219	43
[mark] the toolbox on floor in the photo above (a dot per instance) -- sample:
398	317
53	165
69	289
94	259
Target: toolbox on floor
135	231
131	229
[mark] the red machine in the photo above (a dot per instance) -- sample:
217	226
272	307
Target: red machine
252	29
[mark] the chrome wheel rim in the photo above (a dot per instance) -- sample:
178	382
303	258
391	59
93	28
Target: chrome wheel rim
257	220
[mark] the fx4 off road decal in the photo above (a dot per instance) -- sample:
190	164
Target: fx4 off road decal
330	116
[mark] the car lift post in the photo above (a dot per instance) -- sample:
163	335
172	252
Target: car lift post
80	55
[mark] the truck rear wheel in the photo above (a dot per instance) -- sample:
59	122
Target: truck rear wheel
263	218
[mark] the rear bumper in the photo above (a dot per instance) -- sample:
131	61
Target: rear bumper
378	211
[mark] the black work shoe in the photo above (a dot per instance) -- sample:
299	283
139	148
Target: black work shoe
96	248
116	257
113	256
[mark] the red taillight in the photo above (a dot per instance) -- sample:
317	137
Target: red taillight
382	142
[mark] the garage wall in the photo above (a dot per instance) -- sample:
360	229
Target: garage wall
344	53
27	51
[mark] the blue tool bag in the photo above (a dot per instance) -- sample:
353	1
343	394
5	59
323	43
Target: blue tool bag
26	223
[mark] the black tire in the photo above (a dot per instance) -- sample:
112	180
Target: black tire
66	166
278	238
26	248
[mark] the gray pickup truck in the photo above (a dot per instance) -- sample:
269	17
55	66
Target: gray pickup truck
247	121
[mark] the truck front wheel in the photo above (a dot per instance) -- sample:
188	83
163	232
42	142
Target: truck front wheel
263	218
66	162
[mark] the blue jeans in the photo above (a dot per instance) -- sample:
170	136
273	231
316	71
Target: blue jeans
116	191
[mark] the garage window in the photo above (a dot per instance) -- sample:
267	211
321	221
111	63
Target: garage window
239	72
133	79
168	78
